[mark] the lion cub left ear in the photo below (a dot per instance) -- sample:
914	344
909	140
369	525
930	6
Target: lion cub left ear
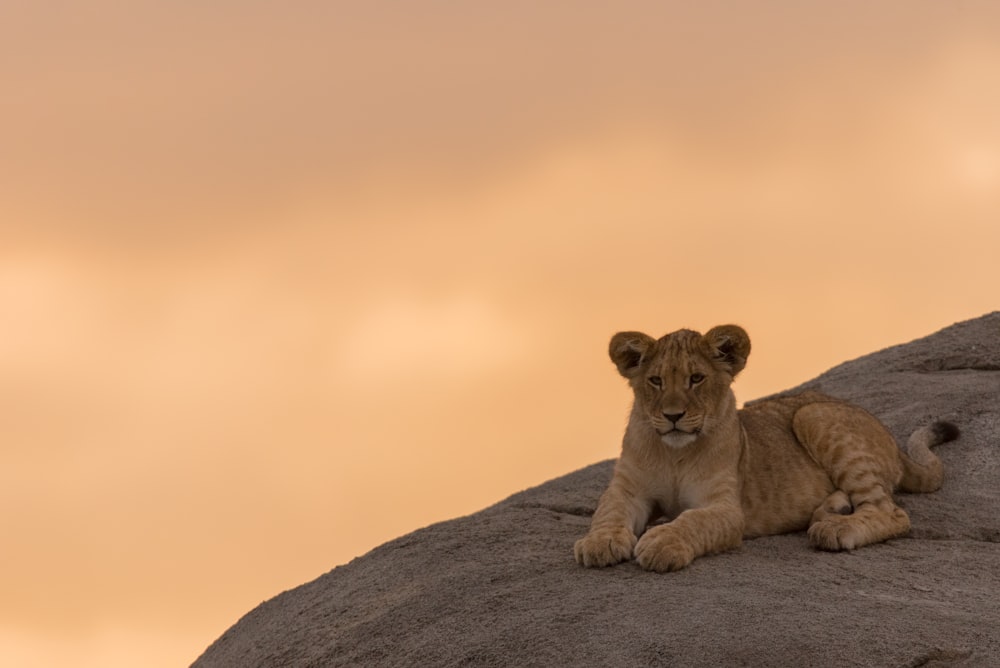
729	345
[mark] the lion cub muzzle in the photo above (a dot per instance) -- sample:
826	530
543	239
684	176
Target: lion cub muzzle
672	432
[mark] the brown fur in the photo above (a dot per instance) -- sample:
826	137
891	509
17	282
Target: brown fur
720	474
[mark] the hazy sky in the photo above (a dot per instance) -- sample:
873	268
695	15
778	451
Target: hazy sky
282	281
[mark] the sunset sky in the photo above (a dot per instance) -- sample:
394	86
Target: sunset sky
282	281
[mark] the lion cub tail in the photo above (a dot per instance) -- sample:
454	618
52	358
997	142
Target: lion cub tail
922	471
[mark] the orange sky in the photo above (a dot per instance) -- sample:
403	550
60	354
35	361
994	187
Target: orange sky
281	282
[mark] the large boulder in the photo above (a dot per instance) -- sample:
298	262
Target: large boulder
500	587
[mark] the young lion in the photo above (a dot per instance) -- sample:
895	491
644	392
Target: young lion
723	474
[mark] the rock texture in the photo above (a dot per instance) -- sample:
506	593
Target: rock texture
500	587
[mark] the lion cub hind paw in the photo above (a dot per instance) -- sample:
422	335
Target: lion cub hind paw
834	536
838	503
604	548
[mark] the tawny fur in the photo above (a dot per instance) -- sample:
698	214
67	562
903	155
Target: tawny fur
720	475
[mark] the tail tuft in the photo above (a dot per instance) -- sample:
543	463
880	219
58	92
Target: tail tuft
945	431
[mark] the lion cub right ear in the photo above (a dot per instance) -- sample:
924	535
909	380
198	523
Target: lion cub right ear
628	350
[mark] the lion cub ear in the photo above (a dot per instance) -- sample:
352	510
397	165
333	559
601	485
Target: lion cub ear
730	345
628	350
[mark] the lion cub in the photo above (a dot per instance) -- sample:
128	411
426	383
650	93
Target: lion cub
722	474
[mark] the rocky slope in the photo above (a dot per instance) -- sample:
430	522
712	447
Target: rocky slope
500	587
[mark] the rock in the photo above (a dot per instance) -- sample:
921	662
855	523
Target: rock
500	587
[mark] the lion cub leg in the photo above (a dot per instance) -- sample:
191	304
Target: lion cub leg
861	458
717	527
620	517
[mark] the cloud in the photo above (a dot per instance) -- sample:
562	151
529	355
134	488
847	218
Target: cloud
447	339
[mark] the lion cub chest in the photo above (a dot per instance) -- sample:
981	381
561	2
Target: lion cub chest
678	481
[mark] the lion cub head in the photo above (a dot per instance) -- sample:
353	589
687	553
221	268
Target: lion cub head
681	381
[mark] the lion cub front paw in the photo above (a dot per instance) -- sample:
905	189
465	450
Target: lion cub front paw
604	547
662	549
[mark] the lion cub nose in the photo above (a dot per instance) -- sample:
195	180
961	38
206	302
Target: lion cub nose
674	417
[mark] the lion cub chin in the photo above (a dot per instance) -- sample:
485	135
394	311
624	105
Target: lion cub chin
677	438
720	475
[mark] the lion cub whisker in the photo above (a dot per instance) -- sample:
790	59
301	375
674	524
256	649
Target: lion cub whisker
720	475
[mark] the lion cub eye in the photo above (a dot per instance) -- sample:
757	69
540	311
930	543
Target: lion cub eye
655	381
696	378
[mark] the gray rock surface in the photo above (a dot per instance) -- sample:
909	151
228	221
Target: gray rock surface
500	587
